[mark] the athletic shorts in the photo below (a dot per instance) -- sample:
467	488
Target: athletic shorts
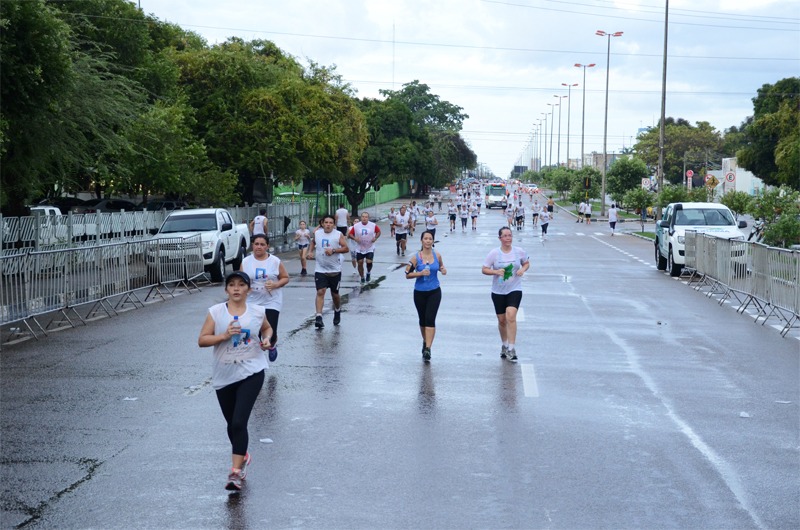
587	215
520	218
343	230
452	217
367	255
503	301
535	215
613	224
301	247
550	208
331	281
400	237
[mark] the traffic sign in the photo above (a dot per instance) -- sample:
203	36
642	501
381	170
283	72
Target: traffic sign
689	173
730	177
711	181
646	183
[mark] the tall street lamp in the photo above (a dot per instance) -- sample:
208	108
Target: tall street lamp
552	115
538	135
583	113
558	151
569	113
544	140
602	33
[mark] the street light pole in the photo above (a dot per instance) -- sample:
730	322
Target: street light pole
552	119
558	151
605	121
544	139
569	113
583	112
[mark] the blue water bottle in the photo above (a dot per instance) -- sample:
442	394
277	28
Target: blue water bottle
238	335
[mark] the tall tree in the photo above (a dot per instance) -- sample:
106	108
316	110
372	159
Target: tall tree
772	152
625	174
449	153
396	146
55	132
682	141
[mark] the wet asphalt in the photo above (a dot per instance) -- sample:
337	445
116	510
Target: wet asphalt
637	402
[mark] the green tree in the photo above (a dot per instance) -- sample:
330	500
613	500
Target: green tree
36	65
395	146
48	105
243	94
738	201
772	152
163	157
681	140
639	199
625	174
427	108
449	154
561	180
672	193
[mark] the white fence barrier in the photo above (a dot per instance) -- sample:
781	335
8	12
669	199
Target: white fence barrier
753	274
34	283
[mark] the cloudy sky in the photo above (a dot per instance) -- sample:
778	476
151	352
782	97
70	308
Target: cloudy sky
505	61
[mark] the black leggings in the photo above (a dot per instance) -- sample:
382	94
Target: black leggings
236	401
427	303
272	317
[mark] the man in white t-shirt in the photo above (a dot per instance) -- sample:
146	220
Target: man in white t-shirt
365	233
401	222
581	210
325	247
259	223
342	219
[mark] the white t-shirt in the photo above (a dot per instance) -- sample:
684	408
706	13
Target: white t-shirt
511	262
520	211
323	240
587	210
401	223
544	217
303	236
365	236
258	224
612	215
430	222
234	363
509	210
341	217
260	271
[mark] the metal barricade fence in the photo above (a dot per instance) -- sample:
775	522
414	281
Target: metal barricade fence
691	250
35	283
784	274
14	274
174	259
752	273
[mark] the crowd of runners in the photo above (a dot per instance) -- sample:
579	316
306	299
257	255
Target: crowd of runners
243	330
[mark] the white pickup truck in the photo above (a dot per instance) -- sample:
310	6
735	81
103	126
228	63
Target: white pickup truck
703	217
223	242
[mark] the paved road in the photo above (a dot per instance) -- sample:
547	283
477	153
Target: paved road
636	403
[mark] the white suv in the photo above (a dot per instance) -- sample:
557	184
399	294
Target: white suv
706	217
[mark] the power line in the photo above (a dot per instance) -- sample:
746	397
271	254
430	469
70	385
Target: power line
574	12
459	46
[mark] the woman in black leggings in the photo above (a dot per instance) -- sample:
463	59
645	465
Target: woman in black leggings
239	333
424	266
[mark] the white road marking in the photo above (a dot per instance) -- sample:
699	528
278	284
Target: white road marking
529	380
